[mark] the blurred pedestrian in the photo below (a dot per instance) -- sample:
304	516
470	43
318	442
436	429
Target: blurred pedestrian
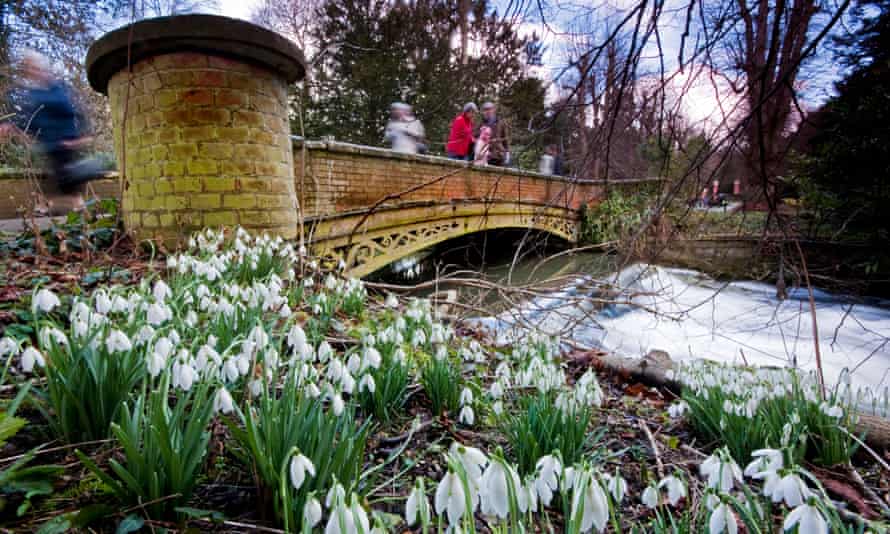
551	162
499	151
404	132
47	114
460	140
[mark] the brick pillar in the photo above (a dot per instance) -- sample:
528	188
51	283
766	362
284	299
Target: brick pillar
207	140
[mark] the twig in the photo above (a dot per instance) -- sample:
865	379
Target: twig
871	451
390	440
54	449
870	492
654	445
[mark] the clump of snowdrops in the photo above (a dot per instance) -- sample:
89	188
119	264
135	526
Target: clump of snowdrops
747	409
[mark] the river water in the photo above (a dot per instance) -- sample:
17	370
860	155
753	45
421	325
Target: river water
690	315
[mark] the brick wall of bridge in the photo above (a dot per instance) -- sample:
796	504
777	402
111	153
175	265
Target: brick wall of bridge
340	177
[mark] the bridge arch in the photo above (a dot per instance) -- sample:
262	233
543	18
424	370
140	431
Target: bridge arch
366	242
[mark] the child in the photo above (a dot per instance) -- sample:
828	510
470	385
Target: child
483	145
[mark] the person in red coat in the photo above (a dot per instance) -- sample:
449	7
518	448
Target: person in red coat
460	140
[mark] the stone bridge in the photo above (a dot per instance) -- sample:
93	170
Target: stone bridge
200	110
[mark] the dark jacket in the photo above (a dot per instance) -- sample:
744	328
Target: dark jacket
49	115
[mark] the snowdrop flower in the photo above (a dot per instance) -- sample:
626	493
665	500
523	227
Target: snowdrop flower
296	337
8	346
677	409
52	334
160	291
676	489
183	375
466	415
371	358
325	352
299	466
223	401
31	356
547	481
103	303
616	485
312	391
789	488
766	461
391	301
346	517
191	318
496	391
230	370
312	512
466	396
497	408
419	338
494	491
337	404
157	314
832	411
723	520
650	497
808	519
44	301
472	459
416	504
593	503
367	383
117	341
450	498
721	471
119	305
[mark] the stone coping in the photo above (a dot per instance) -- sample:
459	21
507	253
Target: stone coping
211	34
387	207
377	152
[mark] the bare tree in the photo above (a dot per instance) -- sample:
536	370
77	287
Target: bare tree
295	19
166	8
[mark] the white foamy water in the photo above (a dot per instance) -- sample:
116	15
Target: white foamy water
692	316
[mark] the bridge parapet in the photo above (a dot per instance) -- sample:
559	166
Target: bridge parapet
332	177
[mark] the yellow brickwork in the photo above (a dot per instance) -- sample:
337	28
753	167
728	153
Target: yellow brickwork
207	145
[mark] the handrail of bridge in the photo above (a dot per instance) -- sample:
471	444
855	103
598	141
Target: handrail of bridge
378	152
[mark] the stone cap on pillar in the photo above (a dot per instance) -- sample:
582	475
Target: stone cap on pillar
211	34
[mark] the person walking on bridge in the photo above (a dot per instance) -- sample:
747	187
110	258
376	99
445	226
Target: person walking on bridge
460	140
499	150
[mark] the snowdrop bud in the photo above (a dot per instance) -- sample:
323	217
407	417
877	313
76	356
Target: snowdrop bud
312	512
416	504
466	396
337	404
44	301
466	416
31	356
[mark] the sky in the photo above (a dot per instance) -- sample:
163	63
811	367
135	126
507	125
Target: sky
239	9
702	100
